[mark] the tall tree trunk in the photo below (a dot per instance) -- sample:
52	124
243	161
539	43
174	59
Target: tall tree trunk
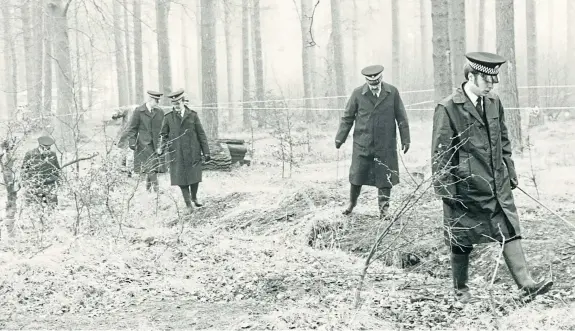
10	63
457	39
424	55
79	95
354	35
164	62
29	56
128	54
481	26
121	79
138	58
209	68
38	36
66	121
338	52
441	64
48	63
199	47
259	68
531	32
229	58
308	44
246	88
185	47
571	43
395	44
505	18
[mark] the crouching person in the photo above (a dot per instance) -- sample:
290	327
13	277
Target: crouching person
41	173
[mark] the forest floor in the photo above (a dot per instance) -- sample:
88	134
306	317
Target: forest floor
267	252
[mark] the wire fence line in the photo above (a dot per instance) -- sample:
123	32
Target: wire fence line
253	104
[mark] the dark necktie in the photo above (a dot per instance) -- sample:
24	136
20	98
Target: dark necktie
479	106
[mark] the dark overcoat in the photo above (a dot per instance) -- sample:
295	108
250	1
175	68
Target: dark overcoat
40	174
143	132
472	164
374	159
184	141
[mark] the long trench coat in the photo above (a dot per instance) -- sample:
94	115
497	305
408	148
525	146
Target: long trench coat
185	141
143	132
374	158
472	164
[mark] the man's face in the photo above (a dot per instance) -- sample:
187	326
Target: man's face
373	81
482	84
44	149
154	101
179	104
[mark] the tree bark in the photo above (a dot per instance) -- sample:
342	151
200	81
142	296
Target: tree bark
129	76
66	121
209	68
505	17
10	62
164	61
38	36
259	67
185	46
441	64
338	53
138	58
229	58
424	55
308	45
48	63
121	79
395	44
29	52
571	43
481	26
246	88
531	32
457	39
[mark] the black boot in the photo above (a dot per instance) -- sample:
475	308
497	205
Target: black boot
194	190
383	195
354	191
517	264
460	274
187	199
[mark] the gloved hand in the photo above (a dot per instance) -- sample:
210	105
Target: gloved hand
159	151
207	157
133	147
514	183
338	144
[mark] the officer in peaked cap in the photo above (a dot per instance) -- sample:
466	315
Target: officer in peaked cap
186	141
474	173
373	109
142	134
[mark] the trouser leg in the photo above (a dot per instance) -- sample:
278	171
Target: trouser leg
460	272
153	180
187	196
354	192
194	190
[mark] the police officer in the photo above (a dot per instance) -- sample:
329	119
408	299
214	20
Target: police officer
143	135
374	107
184	139
40	173
474	174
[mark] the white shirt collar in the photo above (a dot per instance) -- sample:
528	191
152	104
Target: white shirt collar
472	96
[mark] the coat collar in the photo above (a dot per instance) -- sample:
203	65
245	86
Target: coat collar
459	97
385	90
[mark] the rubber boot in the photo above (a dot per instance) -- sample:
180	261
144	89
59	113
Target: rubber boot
194	190
383	195
517	264
460	274
354	191
187	199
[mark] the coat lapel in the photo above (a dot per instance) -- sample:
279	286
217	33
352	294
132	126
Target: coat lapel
385	90
461	98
